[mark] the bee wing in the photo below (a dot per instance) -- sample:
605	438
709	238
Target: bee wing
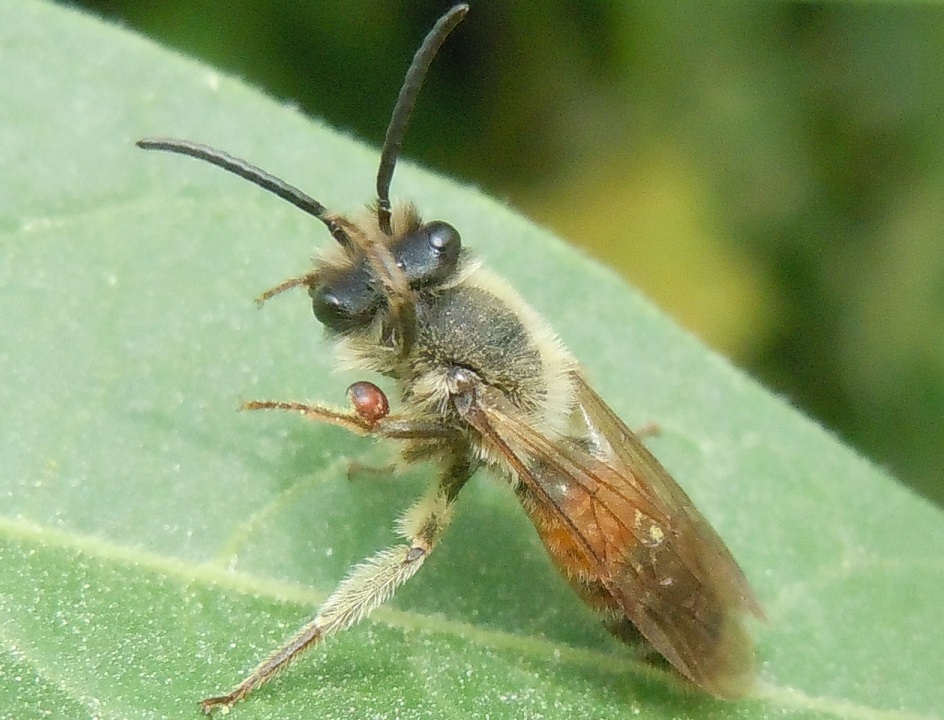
639	539
623	448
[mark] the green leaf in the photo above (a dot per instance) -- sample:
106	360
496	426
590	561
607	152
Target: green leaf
155	544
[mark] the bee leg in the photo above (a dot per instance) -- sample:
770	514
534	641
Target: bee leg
306	280
368	585
369	415
397	427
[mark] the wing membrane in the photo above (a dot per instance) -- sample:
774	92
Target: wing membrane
629	538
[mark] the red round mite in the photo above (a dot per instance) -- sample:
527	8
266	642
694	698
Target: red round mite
369	401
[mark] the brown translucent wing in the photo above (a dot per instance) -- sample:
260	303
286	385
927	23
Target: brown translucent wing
630	539
709	594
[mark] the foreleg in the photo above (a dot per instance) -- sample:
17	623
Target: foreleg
367	416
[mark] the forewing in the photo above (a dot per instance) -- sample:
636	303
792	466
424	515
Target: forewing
659	560
697	541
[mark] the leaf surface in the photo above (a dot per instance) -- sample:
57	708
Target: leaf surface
155	544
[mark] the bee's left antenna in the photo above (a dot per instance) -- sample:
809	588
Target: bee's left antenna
404	108
253	174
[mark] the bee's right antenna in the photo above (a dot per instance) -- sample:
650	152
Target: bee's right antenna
404	108
257	176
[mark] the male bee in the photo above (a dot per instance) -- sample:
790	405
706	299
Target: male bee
482	381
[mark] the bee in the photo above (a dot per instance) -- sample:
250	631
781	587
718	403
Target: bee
483	382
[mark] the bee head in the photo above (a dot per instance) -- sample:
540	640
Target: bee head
349	298
380	271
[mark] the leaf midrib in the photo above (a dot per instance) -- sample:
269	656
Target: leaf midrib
216	575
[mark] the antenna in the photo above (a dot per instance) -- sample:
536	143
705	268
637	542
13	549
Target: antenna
404	108
255	175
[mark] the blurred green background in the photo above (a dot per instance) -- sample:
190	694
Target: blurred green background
771	174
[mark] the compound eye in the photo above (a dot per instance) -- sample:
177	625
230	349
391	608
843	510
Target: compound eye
326	306
430	255
346	303
444	240
444	244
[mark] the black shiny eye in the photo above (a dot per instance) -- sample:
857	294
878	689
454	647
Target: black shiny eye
346	302
429	255
443	238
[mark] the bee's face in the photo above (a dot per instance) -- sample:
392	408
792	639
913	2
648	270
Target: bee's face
348	299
